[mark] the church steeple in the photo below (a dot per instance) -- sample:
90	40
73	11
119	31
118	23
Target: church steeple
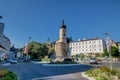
62	22
63	25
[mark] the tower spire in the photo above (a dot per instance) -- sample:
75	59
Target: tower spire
63	22
63	25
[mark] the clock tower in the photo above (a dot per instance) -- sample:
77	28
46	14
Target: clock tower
61	44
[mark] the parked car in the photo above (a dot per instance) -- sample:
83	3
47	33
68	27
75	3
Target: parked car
24	59
93	61
12	61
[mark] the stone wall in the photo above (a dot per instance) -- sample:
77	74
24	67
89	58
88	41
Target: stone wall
60	49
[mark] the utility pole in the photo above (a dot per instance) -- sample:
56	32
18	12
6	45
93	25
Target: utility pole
108	43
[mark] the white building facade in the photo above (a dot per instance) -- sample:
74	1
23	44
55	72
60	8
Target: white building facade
4	44
87	46
119	46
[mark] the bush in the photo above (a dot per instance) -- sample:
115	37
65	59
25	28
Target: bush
113	71
104	68
7	75
104	73
7	78
89	71
101	78
12	75
3	72
118	74
45	59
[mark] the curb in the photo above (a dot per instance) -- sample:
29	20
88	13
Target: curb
39	62
86	76
61	64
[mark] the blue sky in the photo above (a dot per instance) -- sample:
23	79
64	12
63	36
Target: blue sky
41	19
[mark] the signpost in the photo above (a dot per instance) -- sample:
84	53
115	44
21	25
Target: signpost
108	43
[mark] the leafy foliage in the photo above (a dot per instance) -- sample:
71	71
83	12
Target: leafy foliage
37	50
7	75
104	73
115	52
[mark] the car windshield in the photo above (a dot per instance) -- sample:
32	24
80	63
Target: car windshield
92	58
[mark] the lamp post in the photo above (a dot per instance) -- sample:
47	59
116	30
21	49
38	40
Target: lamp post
108	43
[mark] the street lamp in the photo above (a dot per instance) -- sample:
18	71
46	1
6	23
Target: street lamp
108	43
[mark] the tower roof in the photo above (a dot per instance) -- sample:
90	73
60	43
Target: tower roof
63	25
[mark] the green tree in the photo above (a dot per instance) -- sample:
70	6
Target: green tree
115	51
44	50
51	52
37	50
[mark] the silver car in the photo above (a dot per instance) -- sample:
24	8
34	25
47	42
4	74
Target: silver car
12	61
93	61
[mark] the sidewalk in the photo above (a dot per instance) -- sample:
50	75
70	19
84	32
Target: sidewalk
39	62
72	76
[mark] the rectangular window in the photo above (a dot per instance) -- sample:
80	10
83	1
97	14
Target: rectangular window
99	41
99	45
82	42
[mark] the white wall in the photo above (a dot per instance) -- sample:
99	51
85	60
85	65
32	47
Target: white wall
86	46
